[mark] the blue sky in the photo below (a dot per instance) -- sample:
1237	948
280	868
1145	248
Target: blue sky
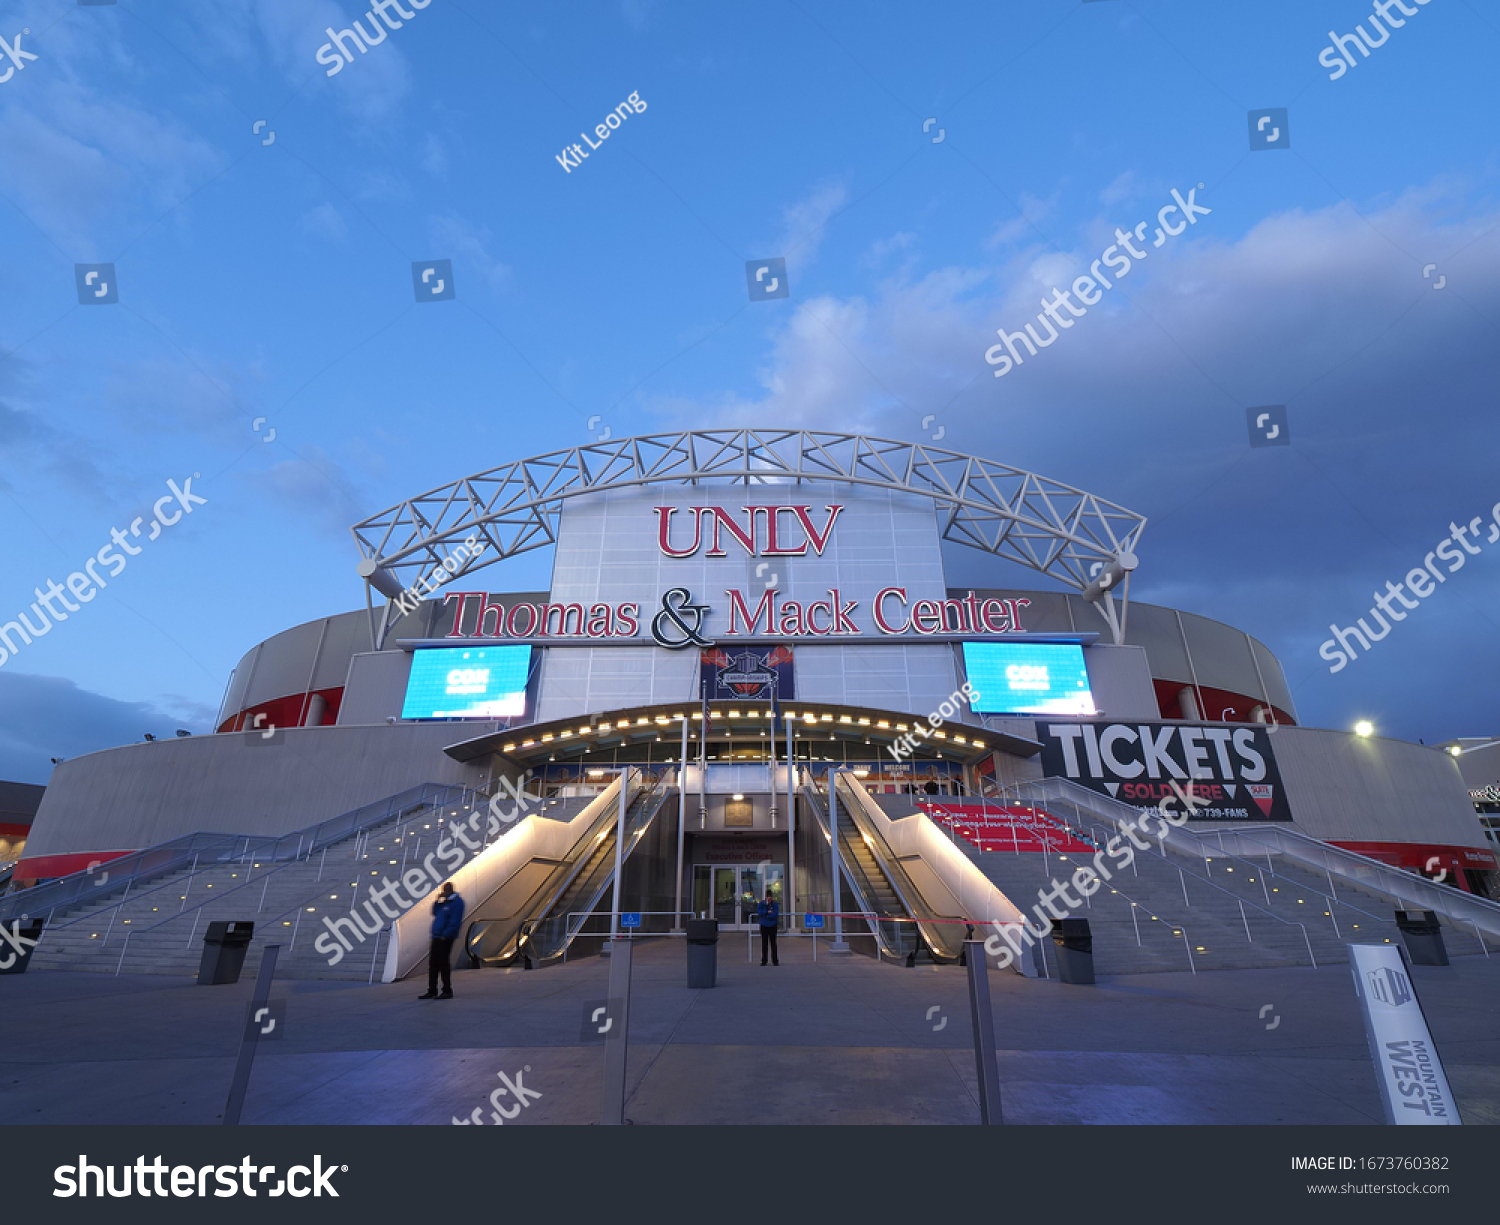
274	281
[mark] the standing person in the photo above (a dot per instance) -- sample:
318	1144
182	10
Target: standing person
447	915
768	912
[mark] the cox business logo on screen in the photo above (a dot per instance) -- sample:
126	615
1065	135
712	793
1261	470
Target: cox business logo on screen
468	680
1028	677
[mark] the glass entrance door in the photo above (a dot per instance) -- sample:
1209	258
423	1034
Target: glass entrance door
731	894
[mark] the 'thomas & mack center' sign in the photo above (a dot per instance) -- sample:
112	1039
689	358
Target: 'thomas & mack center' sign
1232	768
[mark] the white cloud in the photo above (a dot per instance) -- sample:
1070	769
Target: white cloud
468	246
803	225
324	221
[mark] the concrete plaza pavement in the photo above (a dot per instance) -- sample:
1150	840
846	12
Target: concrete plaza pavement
845	1040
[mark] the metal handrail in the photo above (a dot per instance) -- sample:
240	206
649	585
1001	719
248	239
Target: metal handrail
406	811
552	888
853	875
901	884
1400	885
650	800
126	870
1082	833
247	856
1306	940
122	870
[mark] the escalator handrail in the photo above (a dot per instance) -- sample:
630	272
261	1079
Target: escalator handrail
651	799
902	884
554	886
854	876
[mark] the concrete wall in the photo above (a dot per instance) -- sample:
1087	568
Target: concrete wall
1120	680
141	794
1347	788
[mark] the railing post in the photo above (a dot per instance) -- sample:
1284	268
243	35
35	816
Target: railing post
115	913
1249	939
120	964
197	914
322	862
1137	923
1182	880
264	886
188	888
1308	942
1187	945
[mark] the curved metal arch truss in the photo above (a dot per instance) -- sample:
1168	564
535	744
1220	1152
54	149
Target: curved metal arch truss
1082	541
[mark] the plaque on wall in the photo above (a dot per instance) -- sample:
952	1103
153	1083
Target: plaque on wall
738	813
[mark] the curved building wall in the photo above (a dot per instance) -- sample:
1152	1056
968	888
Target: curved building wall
1229	672
138	795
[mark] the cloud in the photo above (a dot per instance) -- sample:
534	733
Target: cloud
313	486
468	245
289	33
803	225
1142	401
325	222
79	163
42	717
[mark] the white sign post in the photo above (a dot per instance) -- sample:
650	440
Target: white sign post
1413	1087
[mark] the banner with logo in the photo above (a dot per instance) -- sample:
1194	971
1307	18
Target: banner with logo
1232	769
748	674
1413	1087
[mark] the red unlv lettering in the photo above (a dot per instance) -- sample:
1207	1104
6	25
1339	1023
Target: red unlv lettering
781	538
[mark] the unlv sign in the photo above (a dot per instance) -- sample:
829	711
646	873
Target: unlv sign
787	531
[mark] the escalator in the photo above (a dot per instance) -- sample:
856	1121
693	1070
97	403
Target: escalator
900	919
543	926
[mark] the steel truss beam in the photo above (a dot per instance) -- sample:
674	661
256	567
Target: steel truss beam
1040	523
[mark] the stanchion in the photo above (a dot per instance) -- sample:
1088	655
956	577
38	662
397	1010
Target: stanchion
249	1038
612	1103
982	1023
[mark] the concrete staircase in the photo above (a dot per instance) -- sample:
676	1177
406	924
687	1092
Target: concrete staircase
166	918
1230	913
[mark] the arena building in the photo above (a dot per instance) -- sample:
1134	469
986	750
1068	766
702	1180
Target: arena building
723	604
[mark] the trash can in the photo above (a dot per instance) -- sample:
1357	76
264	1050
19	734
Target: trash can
1075	951
22	932
224	953
702	952
1423	936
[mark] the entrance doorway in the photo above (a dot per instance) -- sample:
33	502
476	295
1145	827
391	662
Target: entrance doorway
730	893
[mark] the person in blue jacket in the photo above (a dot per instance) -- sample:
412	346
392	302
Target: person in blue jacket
447	916
768	912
